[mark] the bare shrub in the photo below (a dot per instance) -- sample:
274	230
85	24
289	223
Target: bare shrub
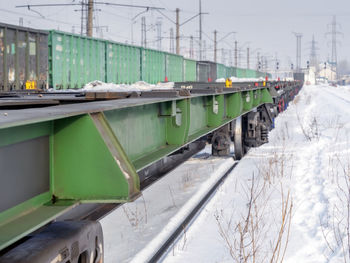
336	227
245	237
311	129
136	216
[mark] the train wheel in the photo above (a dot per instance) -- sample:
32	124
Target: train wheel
238	139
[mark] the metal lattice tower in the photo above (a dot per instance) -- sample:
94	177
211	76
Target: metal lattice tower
333	62
172	48
313	53
159	34
298	54
200	29
334	42
83	18
236	53
247	57
143	32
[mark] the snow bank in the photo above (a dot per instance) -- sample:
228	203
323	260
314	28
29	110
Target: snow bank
99	86
307	163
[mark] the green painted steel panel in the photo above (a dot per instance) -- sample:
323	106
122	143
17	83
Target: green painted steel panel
174	67
250	73
139	129
241	73
232	72
75	60
234	105
199	115
152	66
256	97
216	110
123	63
78	140
190	71
29	221
247	97
221	71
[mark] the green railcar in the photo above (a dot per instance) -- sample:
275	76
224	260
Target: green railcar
152	65
221	71
75	60
123	63
250	73
190	72
241	73
174	67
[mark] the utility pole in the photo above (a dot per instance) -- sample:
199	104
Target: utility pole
247	57
159	34
191	47
200	29
177	31
171	40
236	53
230	58
21	21
204	50
90	18
298	54
215	47
258	61
143	32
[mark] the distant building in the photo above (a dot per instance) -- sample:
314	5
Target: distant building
310	76
327	73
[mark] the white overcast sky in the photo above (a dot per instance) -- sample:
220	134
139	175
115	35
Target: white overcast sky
264	25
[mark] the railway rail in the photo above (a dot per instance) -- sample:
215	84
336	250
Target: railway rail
185	223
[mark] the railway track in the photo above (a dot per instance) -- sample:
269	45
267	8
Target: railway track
162	249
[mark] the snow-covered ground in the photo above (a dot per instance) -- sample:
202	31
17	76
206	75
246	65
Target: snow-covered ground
135	229
288	200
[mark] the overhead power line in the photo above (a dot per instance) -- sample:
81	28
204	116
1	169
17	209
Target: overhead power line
87	8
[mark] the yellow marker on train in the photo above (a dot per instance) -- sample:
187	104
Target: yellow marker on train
228	83
30	84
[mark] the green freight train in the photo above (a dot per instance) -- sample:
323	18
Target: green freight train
68	156
32	58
